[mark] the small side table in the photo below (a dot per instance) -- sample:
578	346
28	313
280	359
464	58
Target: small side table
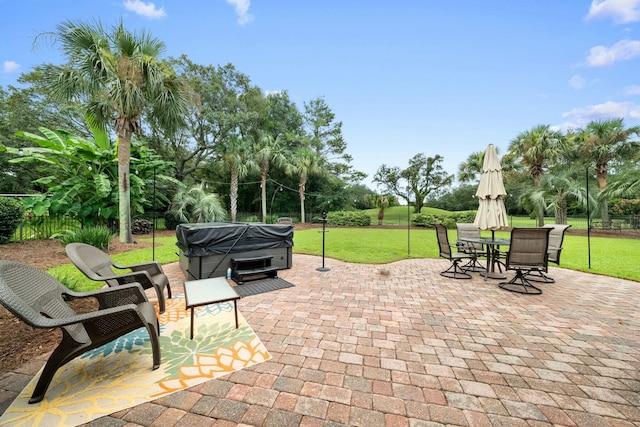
209	291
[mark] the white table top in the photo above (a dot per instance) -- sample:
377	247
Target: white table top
208	291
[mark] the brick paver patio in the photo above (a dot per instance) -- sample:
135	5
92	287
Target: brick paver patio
399	345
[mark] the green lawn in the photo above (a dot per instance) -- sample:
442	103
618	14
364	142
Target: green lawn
165	253
609	256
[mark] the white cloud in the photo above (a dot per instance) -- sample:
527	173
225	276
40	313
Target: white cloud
242	10
631	90
621	11
580	117
577	82
623	50
10	67
634	113
148	10
276	92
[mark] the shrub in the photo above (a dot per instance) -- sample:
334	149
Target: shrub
11	215
448	220
348	218
625	207
425	220
100	237
251	218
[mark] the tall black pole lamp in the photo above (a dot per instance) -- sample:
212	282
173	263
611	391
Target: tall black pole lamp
324	231
588	218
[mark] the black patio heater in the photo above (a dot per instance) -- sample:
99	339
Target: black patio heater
324	230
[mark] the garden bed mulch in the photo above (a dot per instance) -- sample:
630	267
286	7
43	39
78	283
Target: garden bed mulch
20	343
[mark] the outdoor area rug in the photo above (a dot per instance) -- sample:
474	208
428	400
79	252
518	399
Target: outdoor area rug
255	287
118	375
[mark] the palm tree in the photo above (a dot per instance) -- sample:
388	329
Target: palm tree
120	78
268	152
536	149
195	204
558	188
603	142
382	203
305	162
236	157
471	169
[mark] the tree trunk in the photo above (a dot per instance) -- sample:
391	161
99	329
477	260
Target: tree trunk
602	185
540	212
234	194
380	216
124	189
263	185
561	210
301	192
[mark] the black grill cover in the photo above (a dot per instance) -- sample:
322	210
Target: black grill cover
215	238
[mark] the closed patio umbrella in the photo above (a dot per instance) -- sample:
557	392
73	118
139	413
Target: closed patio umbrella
491	214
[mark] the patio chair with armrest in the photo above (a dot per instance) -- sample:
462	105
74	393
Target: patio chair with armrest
98	266
527	253
472	231
556	238
39	300
454	271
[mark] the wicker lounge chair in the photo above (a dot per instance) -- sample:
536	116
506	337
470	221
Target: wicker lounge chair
527	253
98	266
471	231
38	299
454	271
556	237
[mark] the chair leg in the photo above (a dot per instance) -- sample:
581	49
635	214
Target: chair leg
455	272
520	284
66	351
539	276
152	329
161	303
474	266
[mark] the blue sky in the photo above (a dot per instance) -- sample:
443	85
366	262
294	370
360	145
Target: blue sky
403	76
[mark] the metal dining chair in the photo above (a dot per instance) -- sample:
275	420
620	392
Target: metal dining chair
528	252
454	271
556	238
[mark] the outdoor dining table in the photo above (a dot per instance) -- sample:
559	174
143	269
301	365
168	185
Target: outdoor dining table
493	250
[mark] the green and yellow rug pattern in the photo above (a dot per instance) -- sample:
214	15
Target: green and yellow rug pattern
118	375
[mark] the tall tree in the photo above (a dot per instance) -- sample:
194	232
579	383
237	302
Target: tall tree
120	78
303	163
559	187
283	118
471	169
603	142
422	177
236	157
536	149
216	111
324	136
268	151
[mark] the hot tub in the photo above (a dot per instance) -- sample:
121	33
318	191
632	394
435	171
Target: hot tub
206	249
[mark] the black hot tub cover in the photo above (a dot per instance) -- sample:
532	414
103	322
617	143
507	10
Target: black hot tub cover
205	239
